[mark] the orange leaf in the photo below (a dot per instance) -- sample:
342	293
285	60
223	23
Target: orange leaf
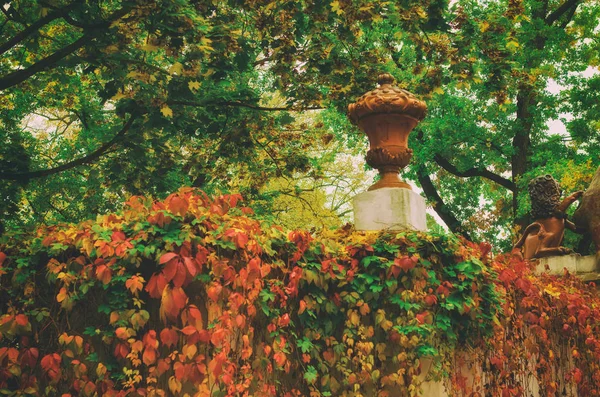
214	291
149	356
280	358
178	205
169	337
135	284
62	295
122	333
194	316
172	301
104	274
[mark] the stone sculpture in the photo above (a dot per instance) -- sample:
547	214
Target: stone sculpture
587	216
387	115
544	236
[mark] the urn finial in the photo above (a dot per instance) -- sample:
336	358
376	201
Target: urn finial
387	115
385	78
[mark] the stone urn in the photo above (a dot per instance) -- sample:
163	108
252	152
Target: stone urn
387	115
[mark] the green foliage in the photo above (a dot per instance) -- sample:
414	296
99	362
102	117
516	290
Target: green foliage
194	294
104	99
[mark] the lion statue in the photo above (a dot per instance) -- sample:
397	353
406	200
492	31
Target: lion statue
545	235
587	216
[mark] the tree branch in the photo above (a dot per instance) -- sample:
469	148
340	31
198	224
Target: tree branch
560	11
439	206
445	164
90	158
242	104
35	27
19	76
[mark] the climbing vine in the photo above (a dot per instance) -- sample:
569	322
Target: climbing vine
196	296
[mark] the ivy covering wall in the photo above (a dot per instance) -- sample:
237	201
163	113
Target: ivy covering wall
196	296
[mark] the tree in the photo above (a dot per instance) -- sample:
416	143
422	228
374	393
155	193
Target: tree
487	133
101	100
140	98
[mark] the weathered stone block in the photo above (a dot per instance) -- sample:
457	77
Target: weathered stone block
389	208
574	263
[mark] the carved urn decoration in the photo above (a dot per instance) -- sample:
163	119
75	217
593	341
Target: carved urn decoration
387	115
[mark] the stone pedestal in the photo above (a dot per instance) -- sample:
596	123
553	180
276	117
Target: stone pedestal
574	263
389	208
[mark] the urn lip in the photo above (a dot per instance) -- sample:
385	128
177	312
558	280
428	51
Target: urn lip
387	99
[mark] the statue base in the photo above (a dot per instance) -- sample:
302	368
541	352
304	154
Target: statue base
574	263
389	209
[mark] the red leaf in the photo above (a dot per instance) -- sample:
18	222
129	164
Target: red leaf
284	320
169	337
190	265
170	270
21	320
422	317
156	285
253	269
30	357
2	258
51	366
180	275
430	300
167	257
201	255
118	236
121	350
405	263
189	330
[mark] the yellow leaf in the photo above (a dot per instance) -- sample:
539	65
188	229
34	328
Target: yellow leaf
335	7
174	385
438	90
149	47
194	85
166	111
483	26
512	45
190	351
176	68
111	49
205	45
117	96
100	370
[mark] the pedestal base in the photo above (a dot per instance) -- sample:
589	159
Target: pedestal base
574	263
389	208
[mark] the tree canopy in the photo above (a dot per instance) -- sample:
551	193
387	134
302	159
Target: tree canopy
100	100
